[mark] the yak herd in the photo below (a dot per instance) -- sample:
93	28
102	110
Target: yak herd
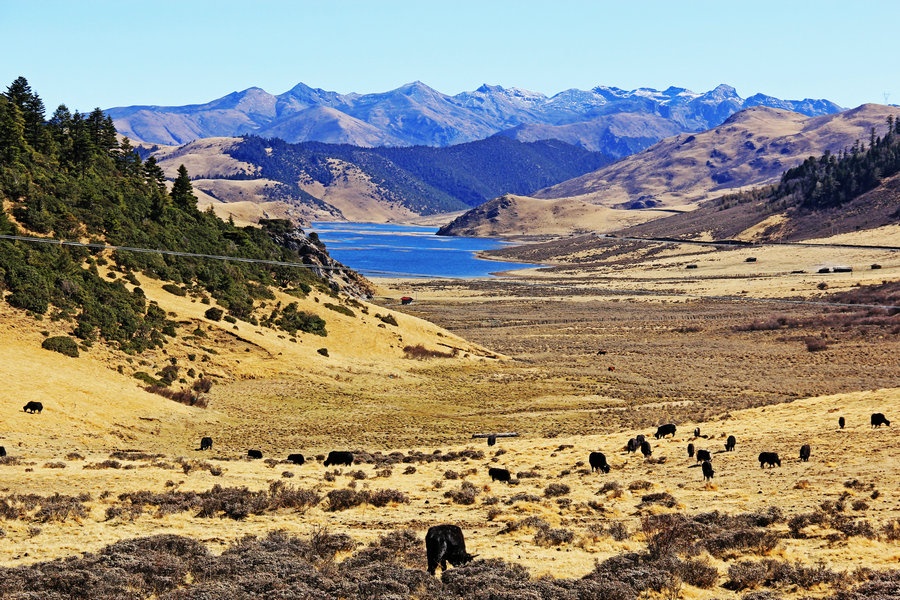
445	543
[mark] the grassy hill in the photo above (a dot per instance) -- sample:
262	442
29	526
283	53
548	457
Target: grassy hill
328	181
752	148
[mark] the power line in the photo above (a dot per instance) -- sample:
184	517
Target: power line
96	246
263	261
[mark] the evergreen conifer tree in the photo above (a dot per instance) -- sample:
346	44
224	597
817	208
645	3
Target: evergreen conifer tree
182	193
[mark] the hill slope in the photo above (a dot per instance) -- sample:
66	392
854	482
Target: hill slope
753	147
331	182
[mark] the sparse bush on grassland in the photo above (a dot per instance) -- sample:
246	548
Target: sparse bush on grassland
174	289
34	508
770	324
62	344
388	318
420	352
338	308
553	536
465	494
747	574
344	499
214	313
815	344
556	489
187	397
662	498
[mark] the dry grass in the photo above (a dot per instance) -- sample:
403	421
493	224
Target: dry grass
132	456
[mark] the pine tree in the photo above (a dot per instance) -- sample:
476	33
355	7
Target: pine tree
182	193
12	133
32	107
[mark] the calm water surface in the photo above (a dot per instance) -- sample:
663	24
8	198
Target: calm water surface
388	250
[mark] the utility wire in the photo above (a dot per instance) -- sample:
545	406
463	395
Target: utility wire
20	238
263	261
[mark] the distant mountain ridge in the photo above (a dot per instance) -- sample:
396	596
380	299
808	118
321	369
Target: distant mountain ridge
605	119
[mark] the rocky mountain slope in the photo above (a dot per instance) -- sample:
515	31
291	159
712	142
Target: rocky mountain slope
753	147
605	119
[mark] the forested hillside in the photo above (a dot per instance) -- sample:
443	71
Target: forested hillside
855	189
69	178
424	179
830	181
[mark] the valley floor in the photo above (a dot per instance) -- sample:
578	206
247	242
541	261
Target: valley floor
572	368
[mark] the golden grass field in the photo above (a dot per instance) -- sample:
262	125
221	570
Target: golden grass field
574	359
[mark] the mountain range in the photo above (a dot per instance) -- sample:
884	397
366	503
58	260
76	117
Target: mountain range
605	119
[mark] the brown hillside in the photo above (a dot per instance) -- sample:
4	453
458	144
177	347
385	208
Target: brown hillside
753	147
353	196
520	216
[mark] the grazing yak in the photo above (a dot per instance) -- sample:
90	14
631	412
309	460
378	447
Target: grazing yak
664	430
36	407
491	439
877	420
639	438
697	432
730	443
769	458
206	443
805	452
703	455
297	459
2	451
690	451
841	422
707	470
632	445
497	474
646	450
254	453
336	457
598	462
443	544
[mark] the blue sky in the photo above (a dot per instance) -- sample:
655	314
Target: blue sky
119	52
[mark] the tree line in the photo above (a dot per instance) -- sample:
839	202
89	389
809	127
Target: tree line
71	177
833	180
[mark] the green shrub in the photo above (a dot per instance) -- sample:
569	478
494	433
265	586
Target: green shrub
389	319
174	289
293	320
340	309
62	344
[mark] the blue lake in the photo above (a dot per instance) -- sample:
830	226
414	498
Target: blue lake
389	250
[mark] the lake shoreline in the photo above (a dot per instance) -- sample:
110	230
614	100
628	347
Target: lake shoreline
389	250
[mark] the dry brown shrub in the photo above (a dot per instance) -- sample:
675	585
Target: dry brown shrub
553	536
106	464
815	344
420	352
662	498
555	490
465	494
